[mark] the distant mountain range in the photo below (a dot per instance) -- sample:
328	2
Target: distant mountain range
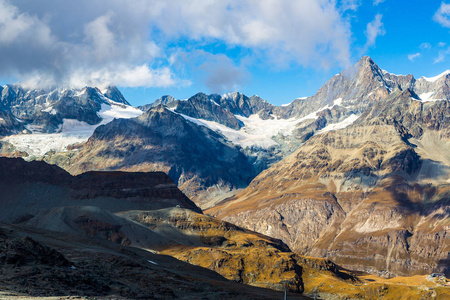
358	173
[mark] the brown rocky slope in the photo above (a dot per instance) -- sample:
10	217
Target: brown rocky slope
373	196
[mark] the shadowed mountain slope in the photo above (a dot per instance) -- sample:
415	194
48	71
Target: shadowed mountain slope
195	157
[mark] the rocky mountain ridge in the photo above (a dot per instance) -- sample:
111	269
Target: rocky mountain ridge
372	196
45	110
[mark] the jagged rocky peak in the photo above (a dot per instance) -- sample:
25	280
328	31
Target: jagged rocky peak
113	93
156	112
205	107
46	109
358	87
434	88
164	100
240	104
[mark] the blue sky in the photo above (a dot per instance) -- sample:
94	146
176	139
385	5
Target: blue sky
277	49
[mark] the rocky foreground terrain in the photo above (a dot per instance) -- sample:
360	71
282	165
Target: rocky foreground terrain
128	247
38	263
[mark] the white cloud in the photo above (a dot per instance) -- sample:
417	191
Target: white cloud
307	32
221	74
374	29
350	5
442	55
100	37
442	44
93	41
412	57
376	2
425	46
442	15
15	25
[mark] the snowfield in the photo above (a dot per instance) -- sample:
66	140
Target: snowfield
433	79
341	125
256	132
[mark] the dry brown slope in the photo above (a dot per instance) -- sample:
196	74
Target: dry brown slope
238	254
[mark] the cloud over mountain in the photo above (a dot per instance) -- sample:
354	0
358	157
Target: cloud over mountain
113	42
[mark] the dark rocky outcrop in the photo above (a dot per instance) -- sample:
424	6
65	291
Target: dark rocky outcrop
29	187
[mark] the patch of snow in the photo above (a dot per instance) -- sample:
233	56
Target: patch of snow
287	104
433	79
34	128
214	102
152	262
244	137
50	110
256	132
386	72
80	92
341	125
228	96
425	97
2	120
237	137
190	119
72	131
120	111
337	101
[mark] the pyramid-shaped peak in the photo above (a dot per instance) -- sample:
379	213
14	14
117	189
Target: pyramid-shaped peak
113	93
367	60
367	63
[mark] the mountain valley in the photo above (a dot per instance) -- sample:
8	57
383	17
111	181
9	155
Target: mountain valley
345	193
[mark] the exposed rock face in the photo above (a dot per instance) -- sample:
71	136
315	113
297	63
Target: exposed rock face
164	100
221	109
194	156
371	197
45	110
9	124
